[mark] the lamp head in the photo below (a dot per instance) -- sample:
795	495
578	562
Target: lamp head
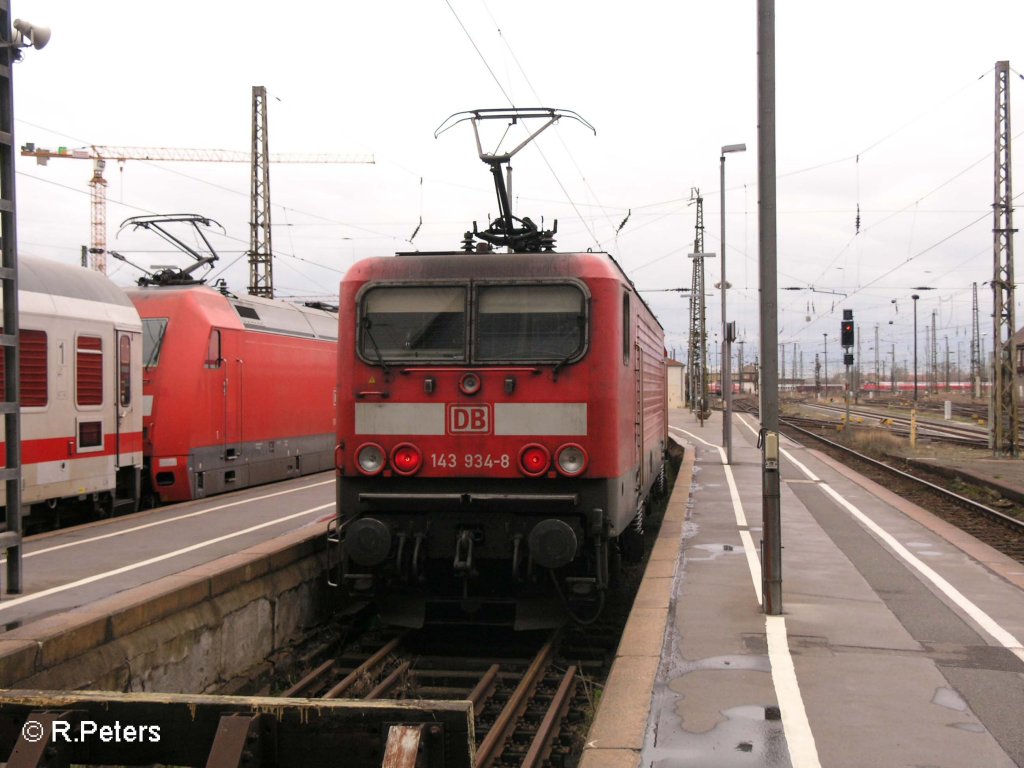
734	148
37	37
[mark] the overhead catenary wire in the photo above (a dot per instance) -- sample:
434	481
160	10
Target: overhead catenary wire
512	104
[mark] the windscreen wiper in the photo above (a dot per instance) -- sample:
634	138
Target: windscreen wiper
373	341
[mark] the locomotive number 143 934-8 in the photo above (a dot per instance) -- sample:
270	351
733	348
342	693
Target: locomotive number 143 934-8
469	461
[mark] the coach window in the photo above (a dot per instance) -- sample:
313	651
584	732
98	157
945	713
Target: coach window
89	370
153	329
413	323
213	355
529	322
124	370
33	384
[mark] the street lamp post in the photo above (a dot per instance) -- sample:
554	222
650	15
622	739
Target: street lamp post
726	378
915	297
826	363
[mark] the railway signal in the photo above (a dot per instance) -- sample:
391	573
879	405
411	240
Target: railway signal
846	329
846	339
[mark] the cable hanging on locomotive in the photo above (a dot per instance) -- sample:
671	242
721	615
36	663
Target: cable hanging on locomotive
173	275
518	235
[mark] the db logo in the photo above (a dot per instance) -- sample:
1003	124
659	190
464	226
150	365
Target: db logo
469	418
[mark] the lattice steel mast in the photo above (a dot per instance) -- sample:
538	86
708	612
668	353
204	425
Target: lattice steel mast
1005	420
11	530
10	404
261	264
698	316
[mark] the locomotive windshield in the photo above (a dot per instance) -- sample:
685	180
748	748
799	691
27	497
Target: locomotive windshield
414	323
529	322
153	329
532	322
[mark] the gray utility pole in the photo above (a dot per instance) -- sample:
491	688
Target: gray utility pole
975	344
935	356
728	329
1005	421
739	362
858	384
691	352
771	567
946	340
877	380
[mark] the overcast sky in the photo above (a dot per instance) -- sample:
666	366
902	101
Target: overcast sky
888	106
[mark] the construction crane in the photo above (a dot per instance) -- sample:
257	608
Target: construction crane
101	154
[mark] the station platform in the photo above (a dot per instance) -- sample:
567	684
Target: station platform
899	641
72	568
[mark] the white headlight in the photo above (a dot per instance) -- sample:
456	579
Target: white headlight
572	459
370	458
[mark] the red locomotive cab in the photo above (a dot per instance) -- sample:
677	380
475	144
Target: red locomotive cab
481	428
501	418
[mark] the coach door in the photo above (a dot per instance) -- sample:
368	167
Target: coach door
225	418
638	417
126	432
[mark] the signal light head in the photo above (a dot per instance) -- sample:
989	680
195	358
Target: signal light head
571	460
534	460
370	459
406	459
846	333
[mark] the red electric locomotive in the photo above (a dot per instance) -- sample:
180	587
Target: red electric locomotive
501	424
237	391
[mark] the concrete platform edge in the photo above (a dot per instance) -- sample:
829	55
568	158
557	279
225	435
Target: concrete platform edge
98	646
616	737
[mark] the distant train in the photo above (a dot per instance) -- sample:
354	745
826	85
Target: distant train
237	391
922	386
501	425
80	362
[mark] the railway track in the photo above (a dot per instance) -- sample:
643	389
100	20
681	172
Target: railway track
531	692
1002	529
954	433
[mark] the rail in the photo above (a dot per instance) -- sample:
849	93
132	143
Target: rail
962	501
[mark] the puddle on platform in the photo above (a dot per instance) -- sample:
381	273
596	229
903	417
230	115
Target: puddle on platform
695	720
950	699
969	727
748	736
714	551
738	661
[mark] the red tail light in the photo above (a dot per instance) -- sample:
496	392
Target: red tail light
406	459
534	460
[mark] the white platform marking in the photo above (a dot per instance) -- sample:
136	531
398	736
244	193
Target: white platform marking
803	752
